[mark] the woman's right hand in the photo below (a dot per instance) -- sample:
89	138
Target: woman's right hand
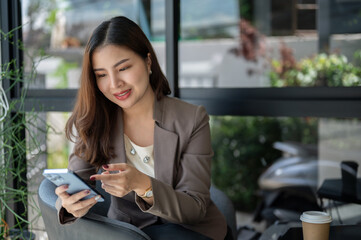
72	203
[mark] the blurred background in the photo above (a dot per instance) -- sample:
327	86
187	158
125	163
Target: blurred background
222	44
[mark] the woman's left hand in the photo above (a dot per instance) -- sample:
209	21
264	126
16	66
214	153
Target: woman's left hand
126	179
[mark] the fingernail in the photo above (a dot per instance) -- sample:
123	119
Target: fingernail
87	191
105	166
66	186
92	178
97	198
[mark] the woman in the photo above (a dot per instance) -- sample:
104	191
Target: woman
155	151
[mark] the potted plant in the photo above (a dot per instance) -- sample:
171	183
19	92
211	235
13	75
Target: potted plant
18	141
333	70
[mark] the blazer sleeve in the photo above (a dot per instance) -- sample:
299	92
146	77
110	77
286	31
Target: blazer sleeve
188	201
82	169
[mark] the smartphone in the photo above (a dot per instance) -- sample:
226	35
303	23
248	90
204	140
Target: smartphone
76	184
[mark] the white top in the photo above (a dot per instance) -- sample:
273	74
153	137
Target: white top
142	158
316	217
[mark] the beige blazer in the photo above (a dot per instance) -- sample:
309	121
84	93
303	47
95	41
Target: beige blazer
182	164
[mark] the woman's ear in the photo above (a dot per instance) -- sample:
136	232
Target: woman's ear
149	62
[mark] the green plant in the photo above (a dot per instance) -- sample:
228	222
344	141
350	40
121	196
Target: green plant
62	71
242	147
19	141
321	70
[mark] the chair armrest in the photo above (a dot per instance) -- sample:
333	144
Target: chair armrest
91	226
225	205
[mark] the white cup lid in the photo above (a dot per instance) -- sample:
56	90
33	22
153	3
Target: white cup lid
316	217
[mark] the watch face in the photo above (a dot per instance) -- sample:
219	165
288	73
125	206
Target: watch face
149	194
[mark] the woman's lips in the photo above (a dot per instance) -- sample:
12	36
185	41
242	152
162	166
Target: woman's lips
123	95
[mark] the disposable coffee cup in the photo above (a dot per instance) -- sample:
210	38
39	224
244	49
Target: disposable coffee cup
315	225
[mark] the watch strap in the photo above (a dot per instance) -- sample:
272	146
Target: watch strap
146	193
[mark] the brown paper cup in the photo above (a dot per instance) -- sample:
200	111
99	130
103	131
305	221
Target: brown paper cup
315	225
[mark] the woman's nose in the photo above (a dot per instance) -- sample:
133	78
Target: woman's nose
115	81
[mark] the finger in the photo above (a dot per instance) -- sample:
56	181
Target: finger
81	205
64	195
108	187
103	173
111	191
116	190
82	211
61	192
106	172
77	196
103	177
61	189
115	166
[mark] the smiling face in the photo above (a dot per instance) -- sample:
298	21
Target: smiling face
122	75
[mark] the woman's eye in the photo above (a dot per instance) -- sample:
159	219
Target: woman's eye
124	68
100	75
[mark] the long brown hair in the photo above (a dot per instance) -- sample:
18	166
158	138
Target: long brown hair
93	115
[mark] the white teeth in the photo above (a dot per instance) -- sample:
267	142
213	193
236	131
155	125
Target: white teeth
123	93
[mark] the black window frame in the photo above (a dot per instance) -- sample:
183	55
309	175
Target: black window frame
10	14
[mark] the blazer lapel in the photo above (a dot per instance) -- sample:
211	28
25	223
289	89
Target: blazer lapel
165	147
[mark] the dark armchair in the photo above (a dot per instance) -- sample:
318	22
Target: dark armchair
95	224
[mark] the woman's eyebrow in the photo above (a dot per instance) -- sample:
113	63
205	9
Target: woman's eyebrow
120	62
114	66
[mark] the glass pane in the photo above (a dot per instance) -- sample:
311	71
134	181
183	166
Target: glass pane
244	43
158	30
58	146
47	147
36	163
284	161
55	33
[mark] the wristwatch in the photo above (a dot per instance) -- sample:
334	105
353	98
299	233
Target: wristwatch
148	193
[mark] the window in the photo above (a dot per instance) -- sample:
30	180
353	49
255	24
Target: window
276	46
268	154
56	32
